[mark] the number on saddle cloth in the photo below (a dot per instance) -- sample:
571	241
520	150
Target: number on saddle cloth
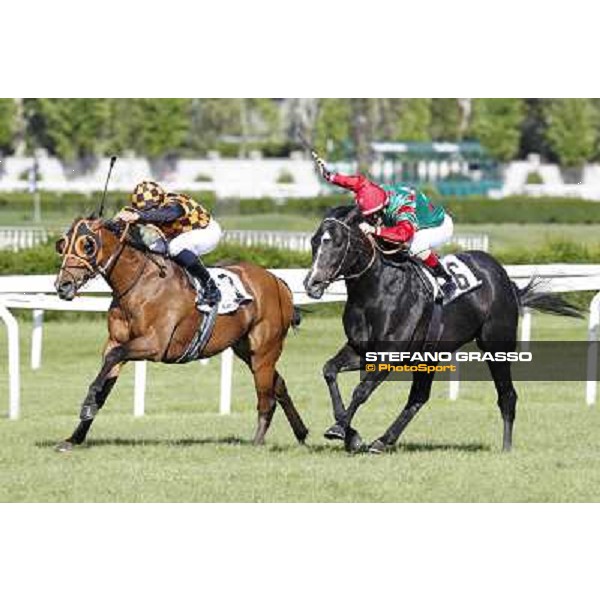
466	281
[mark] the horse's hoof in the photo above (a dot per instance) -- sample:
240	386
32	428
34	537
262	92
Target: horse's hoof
64	446
378	447
335	432
353	442
301	435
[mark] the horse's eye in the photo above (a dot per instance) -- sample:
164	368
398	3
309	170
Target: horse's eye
61	245
89	246
86	246
326	238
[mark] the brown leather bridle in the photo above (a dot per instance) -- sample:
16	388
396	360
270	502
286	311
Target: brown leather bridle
74	249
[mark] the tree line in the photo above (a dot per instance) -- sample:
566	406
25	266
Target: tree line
563	130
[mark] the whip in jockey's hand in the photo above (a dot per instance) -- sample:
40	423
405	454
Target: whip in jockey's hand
189	229
404	216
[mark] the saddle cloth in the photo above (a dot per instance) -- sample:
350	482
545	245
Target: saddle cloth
233	292
466	281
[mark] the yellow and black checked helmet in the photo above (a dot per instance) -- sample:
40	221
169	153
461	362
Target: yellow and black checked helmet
147	194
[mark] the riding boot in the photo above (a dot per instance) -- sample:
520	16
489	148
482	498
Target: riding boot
448	286
210	293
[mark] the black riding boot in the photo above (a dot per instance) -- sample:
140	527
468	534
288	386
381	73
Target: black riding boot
448	287
210	293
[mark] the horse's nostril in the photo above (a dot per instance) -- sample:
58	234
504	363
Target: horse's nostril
65	288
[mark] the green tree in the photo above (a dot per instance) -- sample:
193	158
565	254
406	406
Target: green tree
415	120
570	131
363	117
264	117
446	119
7	122
70	128
159	126
211	118
533	130
496	123
333	126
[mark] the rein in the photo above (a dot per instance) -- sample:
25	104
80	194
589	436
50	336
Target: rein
112	261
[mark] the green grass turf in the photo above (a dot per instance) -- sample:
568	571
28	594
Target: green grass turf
182	450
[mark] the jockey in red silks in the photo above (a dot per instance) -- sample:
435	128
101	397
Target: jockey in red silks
401	214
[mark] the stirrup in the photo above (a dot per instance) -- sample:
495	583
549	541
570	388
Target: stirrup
209	295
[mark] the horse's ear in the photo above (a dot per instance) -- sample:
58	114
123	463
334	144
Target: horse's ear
93	216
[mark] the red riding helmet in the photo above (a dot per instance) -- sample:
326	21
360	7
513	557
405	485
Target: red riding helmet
370	198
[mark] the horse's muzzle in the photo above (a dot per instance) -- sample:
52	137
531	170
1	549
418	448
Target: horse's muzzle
66	290
314	289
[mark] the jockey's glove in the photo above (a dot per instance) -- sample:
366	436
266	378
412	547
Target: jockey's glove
367	228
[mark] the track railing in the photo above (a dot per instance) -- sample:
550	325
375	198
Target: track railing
36	293
21	238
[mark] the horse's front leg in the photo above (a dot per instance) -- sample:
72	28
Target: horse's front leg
344	361
420	392
352	440
114	356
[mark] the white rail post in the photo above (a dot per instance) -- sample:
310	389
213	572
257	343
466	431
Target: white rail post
526	329
226	381
139	391
454	382
36	339
592	357
12	328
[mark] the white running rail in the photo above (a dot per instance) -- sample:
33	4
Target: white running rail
22	238
36	292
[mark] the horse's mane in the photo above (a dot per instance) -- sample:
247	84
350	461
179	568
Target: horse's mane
347	213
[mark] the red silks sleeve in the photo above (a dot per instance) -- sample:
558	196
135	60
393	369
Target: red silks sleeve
349	182
403	232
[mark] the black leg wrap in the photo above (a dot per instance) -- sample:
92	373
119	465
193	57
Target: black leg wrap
88	412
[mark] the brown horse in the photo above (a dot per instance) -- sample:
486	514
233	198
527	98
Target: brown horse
153	317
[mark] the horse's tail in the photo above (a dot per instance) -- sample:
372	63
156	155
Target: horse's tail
297	320
530	297
293	316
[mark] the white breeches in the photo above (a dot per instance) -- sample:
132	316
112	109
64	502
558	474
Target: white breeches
427	239
198	241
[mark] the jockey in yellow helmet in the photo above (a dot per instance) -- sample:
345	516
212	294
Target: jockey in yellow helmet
188	227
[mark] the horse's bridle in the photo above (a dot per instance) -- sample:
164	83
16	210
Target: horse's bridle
74	249
336	276
375	247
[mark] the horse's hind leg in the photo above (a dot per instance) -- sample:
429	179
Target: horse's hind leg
501	374
264	382
295	420
507	400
